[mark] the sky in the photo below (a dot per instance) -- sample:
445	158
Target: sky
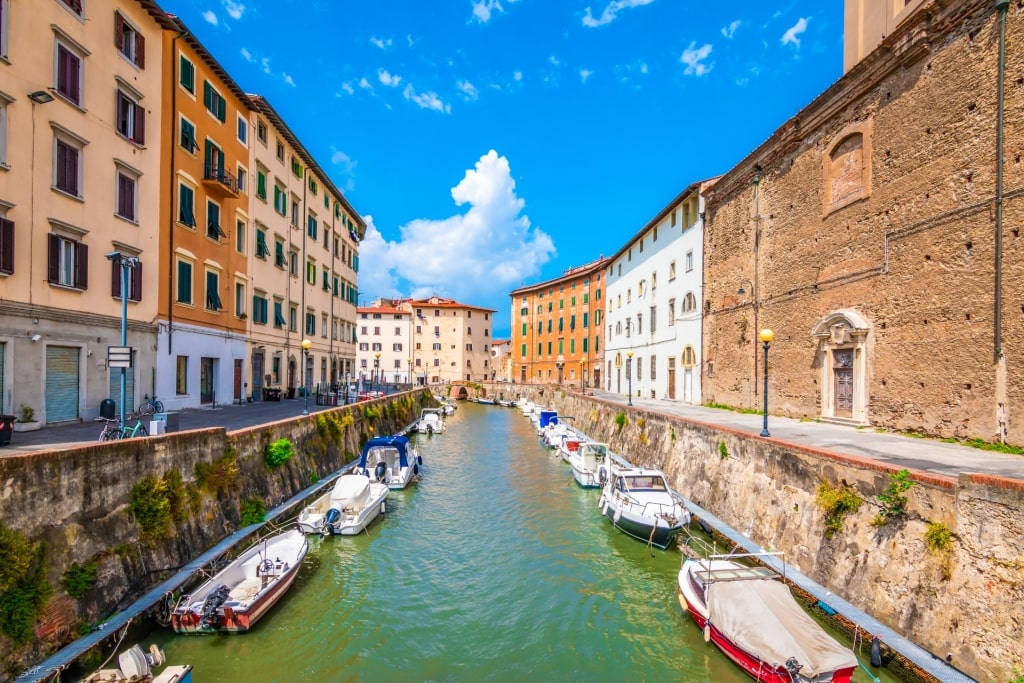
491	144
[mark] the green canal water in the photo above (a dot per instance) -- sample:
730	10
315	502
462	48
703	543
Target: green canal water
494	567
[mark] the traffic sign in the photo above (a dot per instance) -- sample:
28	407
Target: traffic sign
119	356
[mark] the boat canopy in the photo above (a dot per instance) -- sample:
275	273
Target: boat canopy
548	417
351	490
762	618
379	448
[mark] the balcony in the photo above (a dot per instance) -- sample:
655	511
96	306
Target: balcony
219	182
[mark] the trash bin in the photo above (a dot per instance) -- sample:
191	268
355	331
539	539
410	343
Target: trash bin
170	421
108	409
6	428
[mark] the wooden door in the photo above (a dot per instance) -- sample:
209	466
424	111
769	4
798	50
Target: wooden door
671	382
238	380
842	369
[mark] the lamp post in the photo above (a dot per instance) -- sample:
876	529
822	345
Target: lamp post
629	377
766	337
306	344
583	374
410	373
127	264
376	371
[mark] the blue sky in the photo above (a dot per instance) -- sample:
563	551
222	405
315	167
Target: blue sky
495	143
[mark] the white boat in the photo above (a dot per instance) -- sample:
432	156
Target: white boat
542	418
431	421
590	464
527	408
448	407
640	503
137	666
237	596
753	618
347	509
390	460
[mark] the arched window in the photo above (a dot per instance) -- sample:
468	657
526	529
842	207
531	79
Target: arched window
689	303
847	167
689	357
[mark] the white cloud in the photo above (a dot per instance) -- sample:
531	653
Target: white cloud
517	75
468	89
288	79
497	248
585	74
693	57
388	79
611	12
234	8
210	17
247	55
553	60
347	87
730	30
409	39
381	43
482	10
790	36
365	84
425	100
265	65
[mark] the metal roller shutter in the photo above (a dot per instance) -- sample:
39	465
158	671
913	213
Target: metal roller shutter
3	354
62	369
129	389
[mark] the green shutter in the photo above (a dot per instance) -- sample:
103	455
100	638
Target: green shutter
222	110
355	263
261	185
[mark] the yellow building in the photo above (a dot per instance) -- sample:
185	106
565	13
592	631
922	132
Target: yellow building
201	342
80	168
451	341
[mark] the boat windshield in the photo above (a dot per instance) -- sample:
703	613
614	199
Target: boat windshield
645	482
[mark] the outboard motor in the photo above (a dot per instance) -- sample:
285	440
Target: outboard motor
330	519
380	472
208	616
602	475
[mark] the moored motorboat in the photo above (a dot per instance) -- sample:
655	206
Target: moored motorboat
235	598
640	503
589	464
569	444
542	418
752	617
390	460
431	421
527	408
136	666
347	509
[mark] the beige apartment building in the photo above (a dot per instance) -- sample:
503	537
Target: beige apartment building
302	247
451	340
80	169
385	343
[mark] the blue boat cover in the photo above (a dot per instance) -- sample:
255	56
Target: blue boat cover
399	443
548	416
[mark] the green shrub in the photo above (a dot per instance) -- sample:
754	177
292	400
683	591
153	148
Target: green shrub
219	475
151	508
723	450
253	511
893	502
837	502
22	602
17	553
79	578
278	453
371	412
621	420
938	538
177	495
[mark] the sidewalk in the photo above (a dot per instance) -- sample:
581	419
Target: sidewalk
927	455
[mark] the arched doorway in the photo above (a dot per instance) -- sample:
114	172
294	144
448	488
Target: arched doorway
844	339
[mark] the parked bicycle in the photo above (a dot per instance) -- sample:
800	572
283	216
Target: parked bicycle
111	429
138	429
150	406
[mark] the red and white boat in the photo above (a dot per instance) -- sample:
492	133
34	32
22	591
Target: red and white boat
753	618
235	598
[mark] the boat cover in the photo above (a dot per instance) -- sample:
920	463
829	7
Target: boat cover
351	491
762	618
399	443
548	416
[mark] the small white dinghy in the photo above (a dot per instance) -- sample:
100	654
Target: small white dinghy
137	666
347	509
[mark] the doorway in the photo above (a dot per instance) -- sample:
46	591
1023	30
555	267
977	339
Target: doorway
206	375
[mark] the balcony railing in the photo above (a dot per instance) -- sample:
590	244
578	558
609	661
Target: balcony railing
218	177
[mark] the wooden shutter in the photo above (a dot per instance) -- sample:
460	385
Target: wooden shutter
115	279
136	284
140	50
119	31
81	265
6	246
207	95
140	124
53	258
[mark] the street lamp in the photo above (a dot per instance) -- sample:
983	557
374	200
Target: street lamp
410	373
127	263
766	336
306	344
583	374
629	377
376	370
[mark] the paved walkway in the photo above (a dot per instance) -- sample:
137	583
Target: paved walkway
927	455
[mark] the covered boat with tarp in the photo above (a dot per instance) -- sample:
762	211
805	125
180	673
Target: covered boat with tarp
390	460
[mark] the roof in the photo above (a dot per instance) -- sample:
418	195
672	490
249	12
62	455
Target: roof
441	302
569	274
158	14
260	104
381	309
204	54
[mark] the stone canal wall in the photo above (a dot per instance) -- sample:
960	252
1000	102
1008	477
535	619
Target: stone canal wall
84	532
965	598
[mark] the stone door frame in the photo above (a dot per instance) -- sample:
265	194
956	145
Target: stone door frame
844	329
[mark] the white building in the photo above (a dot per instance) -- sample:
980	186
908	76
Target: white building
653	321
383	351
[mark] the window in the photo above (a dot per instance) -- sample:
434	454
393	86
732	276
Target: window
280	200
654	311
296	167
130	118
436	346
396	347
69	74
311	324
214	102
311	226
261	131
6	246
126	196
213	229
3	101
243	131
293	318
187	136
261	244
239	299
187	74
293	264
654	367
672	270
184	284
129	41
689	261
134	289
68	262
240	236
295	212
261	184
279	320
67	167
241	178
310	272
186	205
671	312
279	258
181	376
280	151
689	303
213	291
259	308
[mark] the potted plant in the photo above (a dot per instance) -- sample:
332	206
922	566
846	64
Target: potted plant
27	421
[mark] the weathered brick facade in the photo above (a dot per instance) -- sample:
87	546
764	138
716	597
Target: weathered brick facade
868	226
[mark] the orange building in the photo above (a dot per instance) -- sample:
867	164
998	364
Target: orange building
556	328
201	342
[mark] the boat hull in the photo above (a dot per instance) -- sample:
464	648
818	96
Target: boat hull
642	529
233	621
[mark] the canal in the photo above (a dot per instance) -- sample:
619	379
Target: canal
494	567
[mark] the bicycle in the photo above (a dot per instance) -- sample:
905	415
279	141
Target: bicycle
150	406
111	429
139	429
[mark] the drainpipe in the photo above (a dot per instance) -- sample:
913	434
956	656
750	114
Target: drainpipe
1001	7
173	198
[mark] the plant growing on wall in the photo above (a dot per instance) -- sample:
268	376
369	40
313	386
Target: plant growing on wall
23	601
252	511
371	412
278	453
151	508
837	502
621	420
892	500
220	474
723	450
17	553
79	578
